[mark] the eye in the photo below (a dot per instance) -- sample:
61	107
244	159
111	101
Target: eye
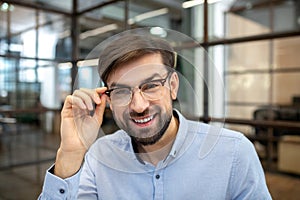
151	86
121	91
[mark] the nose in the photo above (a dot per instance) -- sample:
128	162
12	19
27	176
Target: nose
138	103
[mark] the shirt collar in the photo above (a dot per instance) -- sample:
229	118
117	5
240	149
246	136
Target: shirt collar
181	134
182	141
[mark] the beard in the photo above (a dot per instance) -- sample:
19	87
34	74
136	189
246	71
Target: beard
155	137
145	135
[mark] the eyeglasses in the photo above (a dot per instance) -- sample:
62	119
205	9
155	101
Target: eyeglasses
151	90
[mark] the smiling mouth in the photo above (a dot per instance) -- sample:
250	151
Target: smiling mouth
144	120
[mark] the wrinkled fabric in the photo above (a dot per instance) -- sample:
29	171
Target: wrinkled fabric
230	169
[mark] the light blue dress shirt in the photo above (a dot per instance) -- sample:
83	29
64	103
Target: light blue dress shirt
204	163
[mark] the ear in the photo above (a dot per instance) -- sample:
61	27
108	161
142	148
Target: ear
174	85
109	102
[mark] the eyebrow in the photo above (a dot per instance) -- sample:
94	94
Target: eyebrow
120	85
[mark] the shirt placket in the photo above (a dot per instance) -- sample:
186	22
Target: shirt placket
158	184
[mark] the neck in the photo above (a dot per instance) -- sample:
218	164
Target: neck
159	151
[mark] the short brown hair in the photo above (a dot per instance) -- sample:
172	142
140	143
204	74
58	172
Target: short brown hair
129	47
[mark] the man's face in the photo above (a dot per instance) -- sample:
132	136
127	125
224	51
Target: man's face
145	119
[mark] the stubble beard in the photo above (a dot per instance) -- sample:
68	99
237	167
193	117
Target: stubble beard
145	141
163	122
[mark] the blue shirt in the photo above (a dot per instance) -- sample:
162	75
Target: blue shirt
205	162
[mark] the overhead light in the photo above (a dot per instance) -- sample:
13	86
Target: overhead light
67	65
148	15
158	31
112	27
90	33
98	31
189	4
5	7
88	63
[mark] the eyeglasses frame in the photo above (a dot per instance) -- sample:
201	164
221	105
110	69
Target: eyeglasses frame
163	81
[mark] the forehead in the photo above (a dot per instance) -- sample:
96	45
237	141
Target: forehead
138	70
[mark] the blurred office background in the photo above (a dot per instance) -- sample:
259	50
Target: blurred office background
254	46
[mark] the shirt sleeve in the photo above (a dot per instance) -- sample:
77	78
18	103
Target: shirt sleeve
57	188
248	178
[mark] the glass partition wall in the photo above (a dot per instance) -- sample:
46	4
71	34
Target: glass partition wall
252	50
42	46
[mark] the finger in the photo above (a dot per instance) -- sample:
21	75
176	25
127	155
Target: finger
86	96
77	102
94	93
100	91
100	108
68	102
73	101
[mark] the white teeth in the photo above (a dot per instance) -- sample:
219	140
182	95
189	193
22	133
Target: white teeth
143	120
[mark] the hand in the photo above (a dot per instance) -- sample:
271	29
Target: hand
79	129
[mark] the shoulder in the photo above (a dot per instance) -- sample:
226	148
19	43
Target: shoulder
213	130
221	138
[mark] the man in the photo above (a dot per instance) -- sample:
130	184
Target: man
155	154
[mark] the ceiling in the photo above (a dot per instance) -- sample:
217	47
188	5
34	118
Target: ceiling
56	16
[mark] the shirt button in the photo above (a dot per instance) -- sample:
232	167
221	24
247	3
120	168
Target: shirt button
62	191
157	176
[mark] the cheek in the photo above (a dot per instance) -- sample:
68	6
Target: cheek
166	101
115	110
117	118
118	112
